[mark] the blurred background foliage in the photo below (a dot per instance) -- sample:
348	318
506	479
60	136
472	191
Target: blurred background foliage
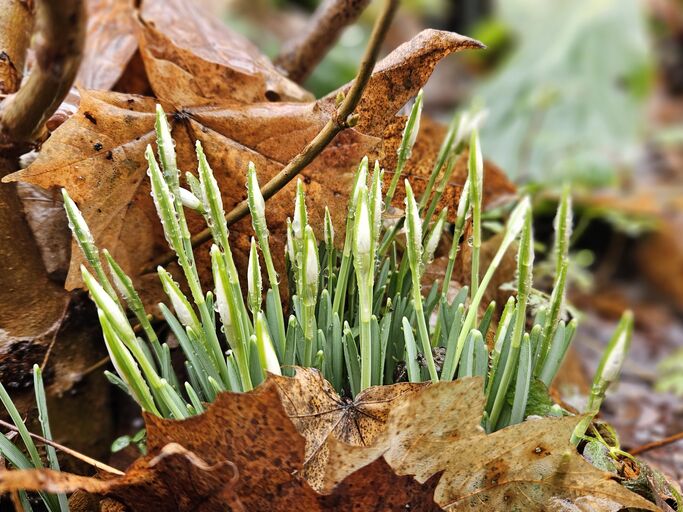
564	82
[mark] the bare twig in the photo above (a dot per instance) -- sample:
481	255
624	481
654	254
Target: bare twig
16	20
58	46
73	453
341	120
301	55
656	444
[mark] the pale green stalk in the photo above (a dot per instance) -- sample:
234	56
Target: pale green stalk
86	242
229	312
476	178
124	284
257	206
345	264
525	261
458	228
563	230
607	373
410	132
44	420
310	273
363	242
414	249
254	283
514	226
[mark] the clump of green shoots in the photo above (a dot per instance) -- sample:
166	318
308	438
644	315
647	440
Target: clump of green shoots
357	311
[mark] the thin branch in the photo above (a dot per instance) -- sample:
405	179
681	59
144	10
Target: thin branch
341	120
73	453
656	444
16	23
58	46
299	56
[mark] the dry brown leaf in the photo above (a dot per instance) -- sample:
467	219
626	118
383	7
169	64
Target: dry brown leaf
244	453
320	414
110	43
219	96
530	466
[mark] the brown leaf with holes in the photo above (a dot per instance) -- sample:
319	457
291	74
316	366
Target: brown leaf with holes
320	414
217	89
242	453
530	466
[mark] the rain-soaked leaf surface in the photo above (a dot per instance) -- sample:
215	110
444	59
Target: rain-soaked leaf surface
320	414
531	466
243	453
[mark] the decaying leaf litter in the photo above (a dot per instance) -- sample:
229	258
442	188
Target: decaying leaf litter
531	466
375	467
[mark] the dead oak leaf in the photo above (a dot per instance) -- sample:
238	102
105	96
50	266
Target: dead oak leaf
320	414
222	101
243	452
530	466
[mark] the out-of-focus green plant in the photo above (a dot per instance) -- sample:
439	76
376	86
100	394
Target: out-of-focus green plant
567	103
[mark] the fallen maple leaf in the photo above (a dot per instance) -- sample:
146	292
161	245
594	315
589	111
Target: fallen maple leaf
217	88
530	466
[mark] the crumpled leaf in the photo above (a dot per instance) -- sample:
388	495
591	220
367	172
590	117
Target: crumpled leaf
530	466
244	453
219	95
320	414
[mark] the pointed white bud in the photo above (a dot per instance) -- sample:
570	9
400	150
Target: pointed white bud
189	200
363	231
434	237
413	213
300	217
312	268
257	204
264	344
178	300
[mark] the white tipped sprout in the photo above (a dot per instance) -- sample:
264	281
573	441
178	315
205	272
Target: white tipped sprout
166	148
414	230
434	238
264	344
375	200
300	216
311	270
607	373
106	303
221	283
412	128
180	303
254	280
257	204
363	229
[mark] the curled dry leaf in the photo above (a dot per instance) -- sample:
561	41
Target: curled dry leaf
320	415
217	89
530	466
242	453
